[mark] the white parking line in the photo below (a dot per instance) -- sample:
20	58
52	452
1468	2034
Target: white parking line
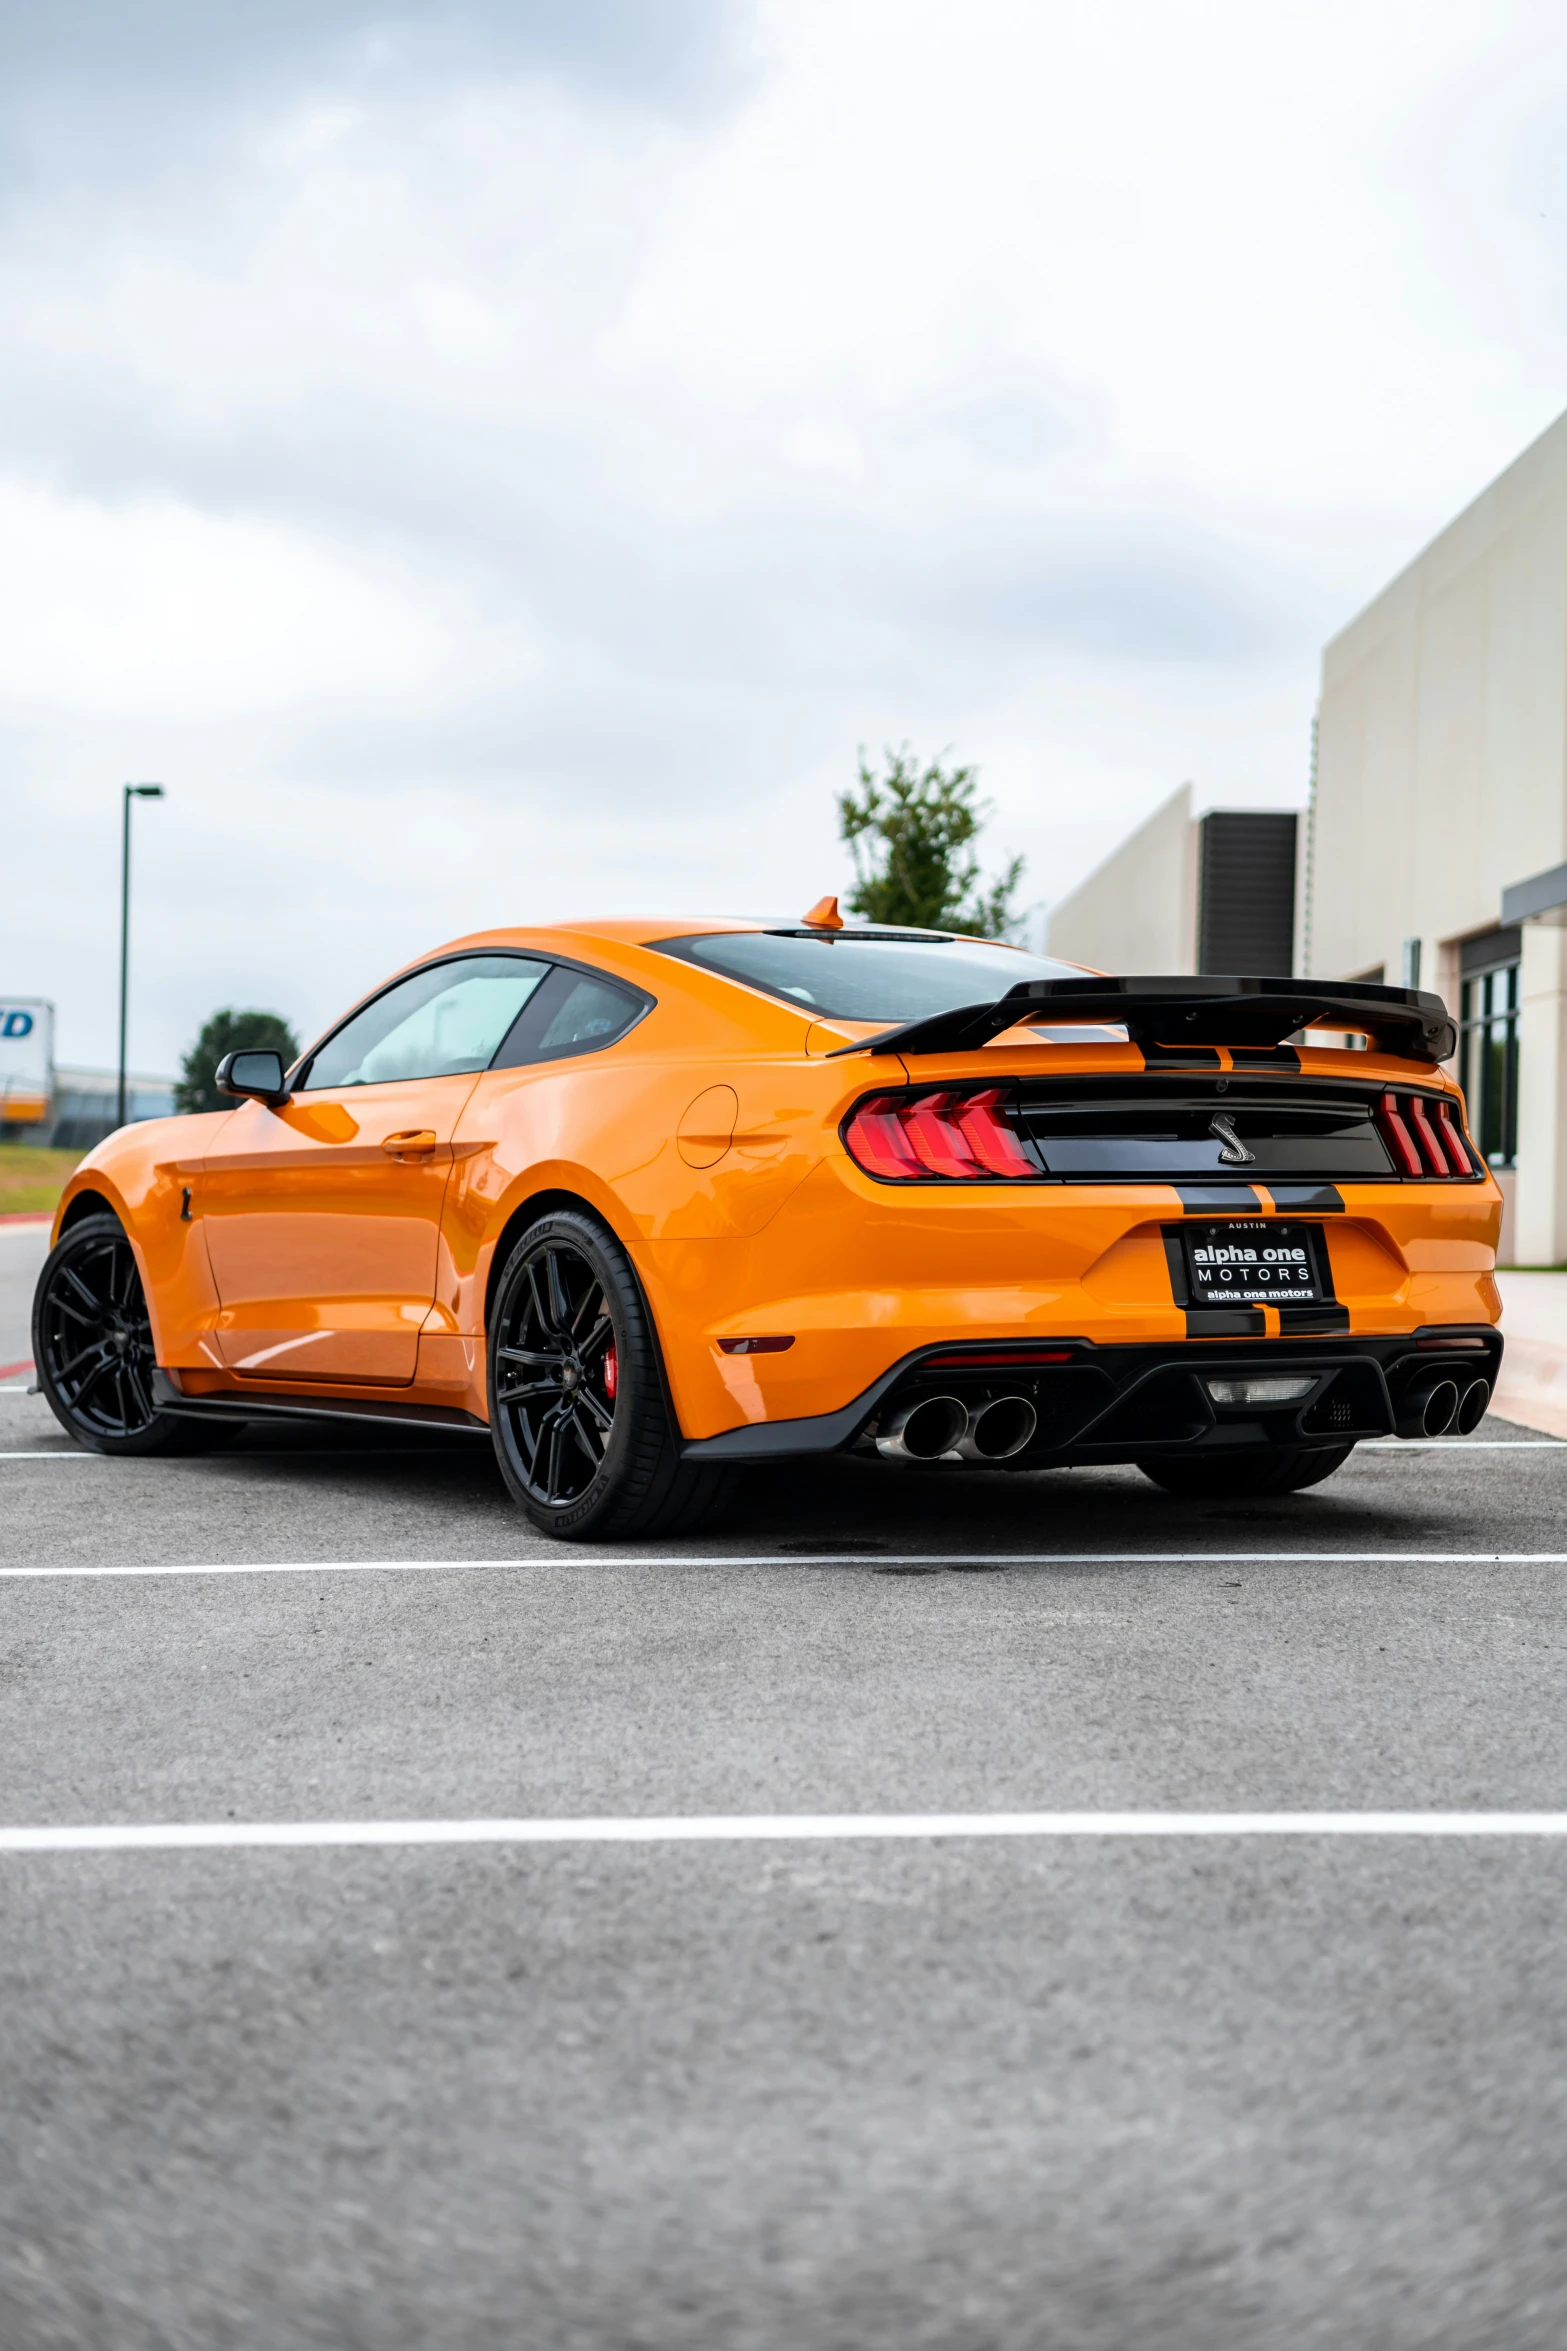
775	1828
564	1555
69	1452
1461	1444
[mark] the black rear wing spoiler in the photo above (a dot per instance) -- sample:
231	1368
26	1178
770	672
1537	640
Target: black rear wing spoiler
1408	1022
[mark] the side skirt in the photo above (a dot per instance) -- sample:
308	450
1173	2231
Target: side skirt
424	1416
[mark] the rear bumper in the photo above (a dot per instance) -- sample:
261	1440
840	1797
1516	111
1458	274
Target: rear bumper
1122	1403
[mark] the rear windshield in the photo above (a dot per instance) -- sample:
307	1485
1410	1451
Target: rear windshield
856	975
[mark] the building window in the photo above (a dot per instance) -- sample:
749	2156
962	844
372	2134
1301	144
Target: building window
1488	1043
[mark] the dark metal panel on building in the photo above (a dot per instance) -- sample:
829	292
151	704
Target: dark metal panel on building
1246	891
1490	951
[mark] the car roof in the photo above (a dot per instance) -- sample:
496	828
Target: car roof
629	946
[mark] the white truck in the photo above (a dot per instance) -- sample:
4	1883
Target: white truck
26	1060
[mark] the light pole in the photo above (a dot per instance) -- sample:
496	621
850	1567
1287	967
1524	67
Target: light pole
132	792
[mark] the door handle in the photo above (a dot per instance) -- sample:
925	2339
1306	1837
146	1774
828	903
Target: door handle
409	1141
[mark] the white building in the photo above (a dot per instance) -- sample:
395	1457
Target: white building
1439	827
1434	850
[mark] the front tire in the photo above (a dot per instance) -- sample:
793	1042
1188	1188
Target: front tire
1283	1469
92	1346
582	1428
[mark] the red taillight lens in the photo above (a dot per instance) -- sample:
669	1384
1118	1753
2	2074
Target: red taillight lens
946	1132
983	1126
938	1145
1457	1150
1397	1137
1425	1135
1422	1136
875	1140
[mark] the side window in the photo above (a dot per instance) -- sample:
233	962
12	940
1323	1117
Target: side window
572	1013
440	1022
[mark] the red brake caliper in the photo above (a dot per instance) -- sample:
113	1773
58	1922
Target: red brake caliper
611	1371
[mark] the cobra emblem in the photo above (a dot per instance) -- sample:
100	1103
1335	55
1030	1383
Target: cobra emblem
1234	1153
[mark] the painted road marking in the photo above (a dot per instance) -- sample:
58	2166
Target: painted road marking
585	1557
773	1828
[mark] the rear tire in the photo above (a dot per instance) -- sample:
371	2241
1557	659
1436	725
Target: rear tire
1285	1469
580	1418
92	1345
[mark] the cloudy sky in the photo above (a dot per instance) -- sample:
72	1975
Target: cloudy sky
498	461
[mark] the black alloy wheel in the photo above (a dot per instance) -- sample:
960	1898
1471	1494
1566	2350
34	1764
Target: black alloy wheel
558	1373
92	1345
582	1430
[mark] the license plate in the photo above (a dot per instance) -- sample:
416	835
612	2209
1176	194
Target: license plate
1255	1261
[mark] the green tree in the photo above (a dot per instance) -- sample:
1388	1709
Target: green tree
910	832
228	1032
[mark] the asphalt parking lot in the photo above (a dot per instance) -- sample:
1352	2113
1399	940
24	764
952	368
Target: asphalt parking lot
944	2090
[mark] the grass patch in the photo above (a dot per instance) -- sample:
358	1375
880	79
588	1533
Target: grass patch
32	1179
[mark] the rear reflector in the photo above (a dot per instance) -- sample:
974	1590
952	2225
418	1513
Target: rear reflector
951	1134
767	1346
1423	1137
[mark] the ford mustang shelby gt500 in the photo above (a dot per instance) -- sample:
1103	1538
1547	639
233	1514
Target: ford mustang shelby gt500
645	1201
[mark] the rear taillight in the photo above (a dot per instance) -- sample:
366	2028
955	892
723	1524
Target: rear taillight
1463	1160
950	1133
1423	1137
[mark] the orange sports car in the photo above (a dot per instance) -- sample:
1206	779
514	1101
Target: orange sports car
646	1201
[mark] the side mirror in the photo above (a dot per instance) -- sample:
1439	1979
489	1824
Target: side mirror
258	1075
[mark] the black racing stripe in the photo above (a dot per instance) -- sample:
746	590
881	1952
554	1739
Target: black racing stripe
1264	1057
1321	1199
1225	1322
1181	1057
1203	1199
1323	1317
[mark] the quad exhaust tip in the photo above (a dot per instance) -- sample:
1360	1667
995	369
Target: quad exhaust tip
937	1428
944	1428
1472	1406
1430	1408
999	1429
1438	1405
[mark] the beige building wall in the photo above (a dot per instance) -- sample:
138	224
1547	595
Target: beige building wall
1442	778
1138	911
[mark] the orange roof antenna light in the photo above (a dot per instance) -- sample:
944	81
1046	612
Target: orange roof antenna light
824	916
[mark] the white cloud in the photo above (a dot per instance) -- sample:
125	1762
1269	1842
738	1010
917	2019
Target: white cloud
154	608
